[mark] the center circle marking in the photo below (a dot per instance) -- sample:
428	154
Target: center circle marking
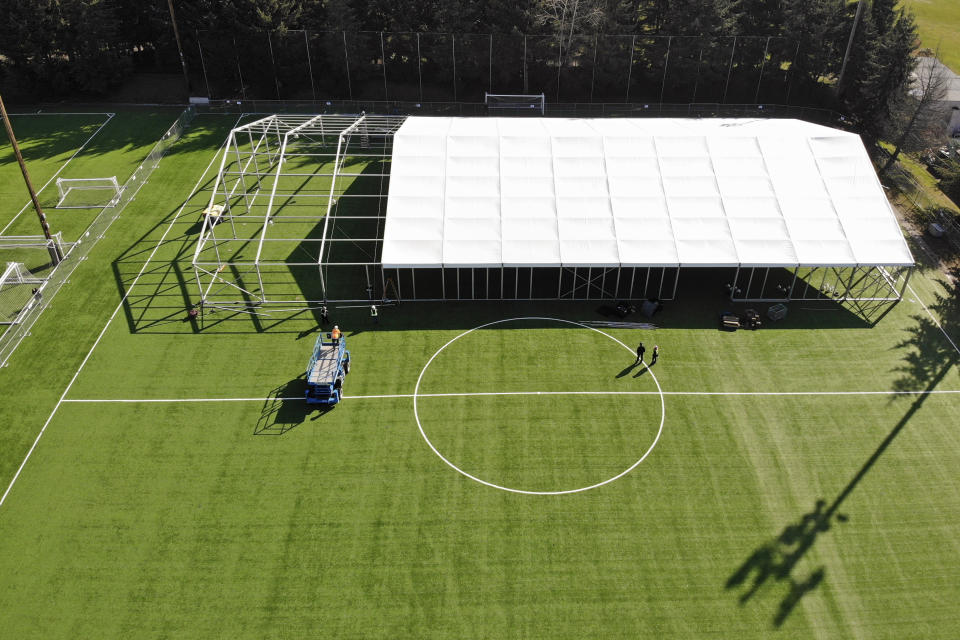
416	414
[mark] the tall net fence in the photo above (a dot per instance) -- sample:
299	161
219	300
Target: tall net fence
565	110
77	252
454	67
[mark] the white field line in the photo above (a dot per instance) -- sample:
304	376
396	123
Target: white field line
107	325
64	166
65	113
526	393
935	321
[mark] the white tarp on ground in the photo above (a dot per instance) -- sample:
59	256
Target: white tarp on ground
491	192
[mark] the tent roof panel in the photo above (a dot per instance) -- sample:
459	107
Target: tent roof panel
636	192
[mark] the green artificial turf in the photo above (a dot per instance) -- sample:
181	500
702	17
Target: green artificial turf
938	22
753	516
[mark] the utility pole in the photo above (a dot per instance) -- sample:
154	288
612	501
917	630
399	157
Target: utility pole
56	255
176	34
846	55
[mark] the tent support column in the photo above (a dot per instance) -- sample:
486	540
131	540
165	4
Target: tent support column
906	283
733	286
646	283
792	283
676	280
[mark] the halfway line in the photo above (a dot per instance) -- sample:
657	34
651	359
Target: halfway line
528	393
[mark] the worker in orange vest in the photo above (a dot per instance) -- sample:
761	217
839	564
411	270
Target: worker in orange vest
335	334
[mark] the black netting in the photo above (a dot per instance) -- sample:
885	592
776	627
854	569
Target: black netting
219	61
403	72
258	65
576	69
329	63
507	64
474	69
293	66
775	83
366	66
436	60
613	64
646	74
542	60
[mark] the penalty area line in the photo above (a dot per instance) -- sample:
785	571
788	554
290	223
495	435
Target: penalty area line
119	306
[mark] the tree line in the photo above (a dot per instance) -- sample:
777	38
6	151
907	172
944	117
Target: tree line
575	50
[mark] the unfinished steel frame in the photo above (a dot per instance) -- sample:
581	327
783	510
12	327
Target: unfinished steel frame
296	196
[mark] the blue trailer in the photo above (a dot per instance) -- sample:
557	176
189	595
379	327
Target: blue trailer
328	366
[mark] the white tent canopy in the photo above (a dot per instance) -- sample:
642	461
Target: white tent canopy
550	192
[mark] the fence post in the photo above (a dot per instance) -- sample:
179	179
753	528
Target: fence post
729	69
306	44
346	62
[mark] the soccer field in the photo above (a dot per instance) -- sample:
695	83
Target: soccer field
495	470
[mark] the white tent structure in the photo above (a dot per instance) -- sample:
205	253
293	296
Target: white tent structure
608	204
373	207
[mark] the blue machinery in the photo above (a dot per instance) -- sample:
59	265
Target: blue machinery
328	366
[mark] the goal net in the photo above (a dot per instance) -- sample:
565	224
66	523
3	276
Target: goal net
19	291
87	193
515	102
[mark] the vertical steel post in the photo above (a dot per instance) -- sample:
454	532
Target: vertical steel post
729	69
306	45
419	70
633	40
593	71
766	49
383	60
666	63
203	65
346	64
490	67
273	65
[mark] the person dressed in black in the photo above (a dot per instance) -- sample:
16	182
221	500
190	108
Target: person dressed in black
324	315
640	351
656	354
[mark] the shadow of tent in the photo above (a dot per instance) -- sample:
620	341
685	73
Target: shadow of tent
353	225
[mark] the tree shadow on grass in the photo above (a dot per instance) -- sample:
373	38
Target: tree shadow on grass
931	354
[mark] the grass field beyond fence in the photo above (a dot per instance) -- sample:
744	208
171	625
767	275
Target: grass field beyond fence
795	481
938	22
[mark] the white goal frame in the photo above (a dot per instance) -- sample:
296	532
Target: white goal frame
66	185
13	276
516	102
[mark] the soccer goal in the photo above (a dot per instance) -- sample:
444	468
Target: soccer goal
515	102
19	291
87	193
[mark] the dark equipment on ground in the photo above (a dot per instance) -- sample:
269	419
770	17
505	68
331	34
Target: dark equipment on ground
328	367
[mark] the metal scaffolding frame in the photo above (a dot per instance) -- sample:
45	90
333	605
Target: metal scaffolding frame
281	180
